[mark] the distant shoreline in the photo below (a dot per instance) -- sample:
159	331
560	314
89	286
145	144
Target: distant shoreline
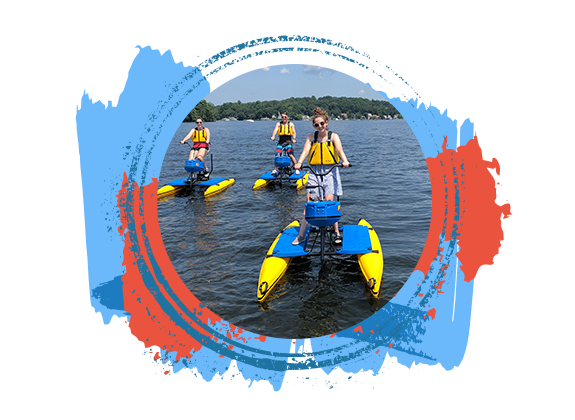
298	109
277	120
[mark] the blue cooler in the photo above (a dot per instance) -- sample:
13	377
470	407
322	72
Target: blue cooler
322	213
194	166
282	161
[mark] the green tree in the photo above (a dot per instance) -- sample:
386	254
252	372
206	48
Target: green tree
206	110
295	108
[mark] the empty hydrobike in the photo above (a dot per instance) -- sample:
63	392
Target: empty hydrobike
360	240
199	176
284	173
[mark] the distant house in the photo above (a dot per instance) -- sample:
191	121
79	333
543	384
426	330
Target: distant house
343	116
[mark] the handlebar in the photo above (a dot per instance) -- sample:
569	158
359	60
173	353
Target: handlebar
337	165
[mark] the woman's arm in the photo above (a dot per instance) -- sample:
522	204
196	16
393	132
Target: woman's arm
304	152
273	137
339	150
189	136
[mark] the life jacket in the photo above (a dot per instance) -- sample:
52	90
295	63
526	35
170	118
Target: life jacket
285	129
322	153
199	136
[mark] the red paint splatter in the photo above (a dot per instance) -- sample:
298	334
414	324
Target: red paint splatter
230	347
420	295
431	313
390	345
166	372
333	335
439	284
377	352
262	338
157	356
504	232
358	328
148	322
371	331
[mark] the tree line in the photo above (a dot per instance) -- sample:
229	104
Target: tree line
296	108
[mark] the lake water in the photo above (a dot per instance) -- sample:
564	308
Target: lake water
217	245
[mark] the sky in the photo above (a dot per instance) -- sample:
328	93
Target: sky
286	81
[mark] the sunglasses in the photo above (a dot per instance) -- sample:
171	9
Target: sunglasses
321	124
198	122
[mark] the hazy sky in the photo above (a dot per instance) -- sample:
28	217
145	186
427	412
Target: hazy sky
297	80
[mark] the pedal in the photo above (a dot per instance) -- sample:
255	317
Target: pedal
202	177
337	246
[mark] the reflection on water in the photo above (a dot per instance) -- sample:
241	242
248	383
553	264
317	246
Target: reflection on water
217	244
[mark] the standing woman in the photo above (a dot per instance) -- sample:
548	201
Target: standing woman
201	138
324	149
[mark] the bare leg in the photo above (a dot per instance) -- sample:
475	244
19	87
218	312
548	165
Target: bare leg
277	155
201	154
275	167
335	226
302	226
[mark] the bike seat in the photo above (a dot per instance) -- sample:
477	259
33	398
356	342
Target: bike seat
194	166
322	213
282	161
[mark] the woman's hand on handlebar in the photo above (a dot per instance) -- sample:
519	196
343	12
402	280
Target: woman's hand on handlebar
345	164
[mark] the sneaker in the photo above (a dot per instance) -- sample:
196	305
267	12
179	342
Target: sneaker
274	172
297	172
298	240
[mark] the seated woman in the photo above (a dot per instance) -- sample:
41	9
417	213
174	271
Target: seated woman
324	149
201	144
286	131
201	140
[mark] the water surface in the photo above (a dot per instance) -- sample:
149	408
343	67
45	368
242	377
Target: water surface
217	245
